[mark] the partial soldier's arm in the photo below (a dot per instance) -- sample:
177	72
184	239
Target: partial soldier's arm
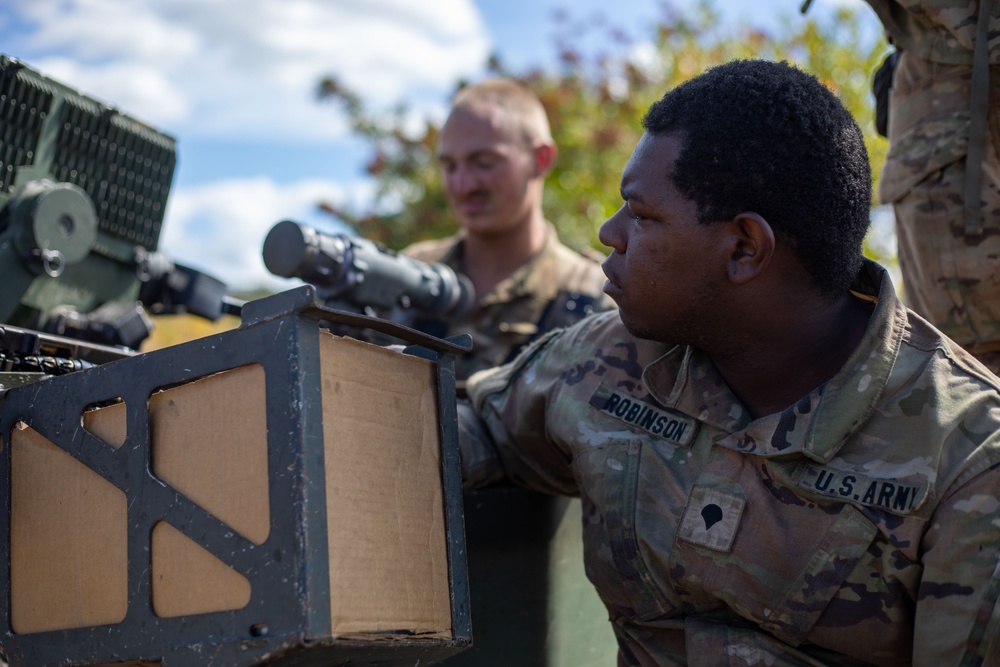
502	428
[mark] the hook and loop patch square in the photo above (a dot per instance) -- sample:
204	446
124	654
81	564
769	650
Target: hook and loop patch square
711	518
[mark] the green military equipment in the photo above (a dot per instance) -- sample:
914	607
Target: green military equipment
83	191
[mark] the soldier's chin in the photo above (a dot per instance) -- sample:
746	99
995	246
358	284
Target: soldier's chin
483	226
634	328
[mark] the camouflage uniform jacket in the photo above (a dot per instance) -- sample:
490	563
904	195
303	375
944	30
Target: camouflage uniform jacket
949	278
556	288
859	526
939	30
929	122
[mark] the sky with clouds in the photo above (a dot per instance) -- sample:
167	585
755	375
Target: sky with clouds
233	81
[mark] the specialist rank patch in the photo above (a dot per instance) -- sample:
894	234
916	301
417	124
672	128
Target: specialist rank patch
899	496
639	414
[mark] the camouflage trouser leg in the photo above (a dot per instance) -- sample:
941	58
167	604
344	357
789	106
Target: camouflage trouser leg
950	278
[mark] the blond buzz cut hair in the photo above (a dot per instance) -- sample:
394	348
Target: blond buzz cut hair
521	107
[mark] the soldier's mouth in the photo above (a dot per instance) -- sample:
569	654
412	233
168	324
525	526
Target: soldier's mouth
610	276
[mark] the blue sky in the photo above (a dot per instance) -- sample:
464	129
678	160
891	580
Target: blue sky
233	82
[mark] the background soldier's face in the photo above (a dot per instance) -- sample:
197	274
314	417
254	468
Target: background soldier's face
488	172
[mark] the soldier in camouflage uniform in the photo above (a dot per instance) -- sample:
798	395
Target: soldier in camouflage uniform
495	152
950	276
779	463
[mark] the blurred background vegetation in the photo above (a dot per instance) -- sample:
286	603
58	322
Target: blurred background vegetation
595	98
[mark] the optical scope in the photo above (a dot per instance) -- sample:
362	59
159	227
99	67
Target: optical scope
363	275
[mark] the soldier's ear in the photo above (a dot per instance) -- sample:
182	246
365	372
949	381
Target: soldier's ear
545	158
749	247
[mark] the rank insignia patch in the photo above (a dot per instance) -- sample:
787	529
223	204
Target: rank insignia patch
711	518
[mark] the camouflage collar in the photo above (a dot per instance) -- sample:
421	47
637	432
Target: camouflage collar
817	426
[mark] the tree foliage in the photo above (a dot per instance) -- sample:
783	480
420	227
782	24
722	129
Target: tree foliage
595	100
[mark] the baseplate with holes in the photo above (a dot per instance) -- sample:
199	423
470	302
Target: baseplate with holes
270	495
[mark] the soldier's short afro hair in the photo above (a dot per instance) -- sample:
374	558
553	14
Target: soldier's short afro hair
766	137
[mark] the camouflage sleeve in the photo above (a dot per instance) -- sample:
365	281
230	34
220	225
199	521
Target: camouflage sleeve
480	462
511	403
958	619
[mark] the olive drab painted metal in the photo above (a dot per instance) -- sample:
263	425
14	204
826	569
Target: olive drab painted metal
84	186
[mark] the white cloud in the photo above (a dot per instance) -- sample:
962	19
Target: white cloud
249	68
220	227
127	30
137	89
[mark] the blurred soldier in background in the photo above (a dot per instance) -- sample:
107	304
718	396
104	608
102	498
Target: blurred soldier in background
495	152
942	173
532	604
